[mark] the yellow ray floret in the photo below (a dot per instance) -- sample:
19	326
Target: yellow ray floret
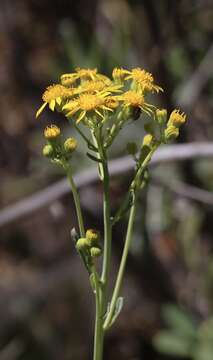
144	79
53	95
177	118
86	103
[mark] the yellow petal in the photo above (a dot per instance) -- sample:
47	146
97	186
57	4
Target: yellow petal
40	109
58	100
52	105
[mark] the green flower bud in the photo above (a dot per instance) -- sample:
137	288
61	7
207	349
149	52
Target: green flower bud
131	148
70	145
95	251
161	115
148	140
171	133
82	244
93	237
48	151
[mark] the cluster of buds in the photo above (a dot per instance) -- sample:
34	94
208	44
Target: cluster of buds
170	127
90	244
56	149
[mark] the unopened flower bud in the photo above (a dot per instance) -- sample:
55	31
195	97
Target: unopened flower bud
70	145
82	244
131	148
95	251
93	237
48	151
147	140
161	115
176	118
171	133
52	132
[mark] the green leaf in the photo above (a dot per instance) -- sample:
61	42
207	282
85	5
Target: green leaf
74	235
124	207
94	158
180	322
118	308
92	282
173	344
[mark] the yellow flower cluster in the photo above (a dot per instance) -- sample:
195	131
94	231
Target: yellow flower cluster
92	98
87	93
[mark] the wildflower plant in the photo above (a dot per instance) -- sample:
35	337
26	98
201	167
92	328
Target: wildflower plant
104	106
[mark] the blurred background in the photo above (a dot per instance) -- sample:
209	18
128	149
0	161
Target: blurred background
46	305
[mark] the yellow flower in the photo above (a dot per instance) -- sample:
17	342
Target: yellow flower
53	95
52	132
119	74
144	79
176	118
136	100
86	103
82	74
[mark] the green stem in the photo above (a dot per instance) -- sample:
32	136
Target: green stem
76	199
135	186
107	222
118	284
99	334
103	288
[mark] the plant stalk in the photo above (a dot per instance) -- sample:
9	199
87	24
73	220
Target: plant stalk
135	186
118	284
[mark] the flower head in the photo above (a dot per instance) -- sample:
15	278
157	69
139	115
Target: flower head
177	118
86	103
135	100
52	132
82	75
53	95
119	74
144	80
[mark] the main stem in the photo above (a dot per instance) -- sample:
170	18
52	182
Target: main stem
99	336
103	288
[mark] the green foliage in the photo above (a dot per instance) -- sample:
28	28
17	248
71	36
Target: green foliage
184	336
